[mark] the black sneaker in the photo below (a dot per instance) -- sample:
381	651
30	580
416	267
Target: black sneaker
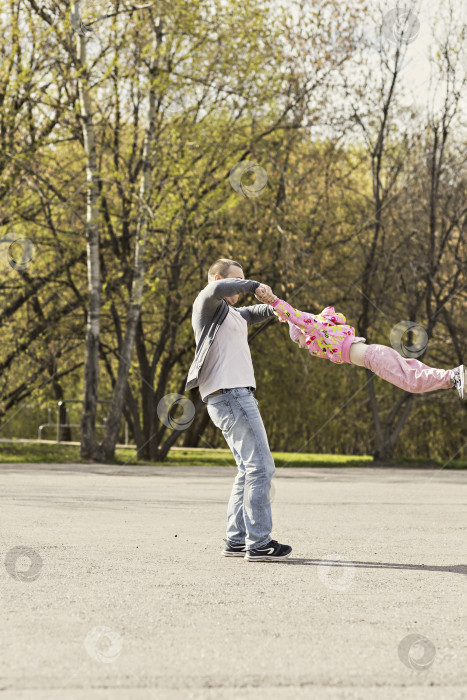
233	550
269	552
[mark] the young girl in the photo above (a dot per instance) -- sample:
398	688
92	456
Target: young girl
327	335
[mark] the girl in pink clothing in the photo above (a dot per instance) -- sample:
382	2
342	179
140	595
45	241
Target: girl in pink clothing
327	335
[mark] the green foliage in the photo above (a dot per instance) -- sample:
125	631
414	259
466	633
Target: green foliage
234	82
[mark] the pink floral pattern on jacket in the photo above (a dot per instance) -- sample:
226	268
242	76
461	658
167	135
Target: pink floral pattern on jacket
325	332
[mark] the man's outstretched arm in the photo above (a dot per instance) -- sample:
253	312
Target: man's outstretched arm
256	313
212	295
259	312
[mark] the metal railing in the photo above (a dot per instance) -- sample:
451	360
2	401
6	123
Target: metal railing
59	425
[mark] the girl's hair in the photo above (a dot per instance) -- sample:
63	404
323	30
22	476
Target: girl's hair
221	267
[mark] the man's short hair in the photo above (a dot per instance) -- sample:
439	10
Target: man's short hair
221	267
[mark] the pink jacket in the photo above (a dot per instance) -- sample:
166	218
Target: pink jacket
327	334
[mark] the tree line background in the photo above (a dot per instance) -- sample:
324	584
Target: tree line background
120	124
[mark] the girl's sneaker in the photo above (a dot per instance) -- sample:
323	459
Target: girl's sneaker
272	551
458	380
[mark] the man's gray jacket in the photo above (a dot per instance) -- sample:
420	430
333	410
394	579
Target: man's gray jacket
210	310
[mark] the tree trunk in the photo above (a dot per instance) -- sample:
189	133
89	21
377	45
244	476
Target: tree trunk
116	407
89	447
64	431
387	443
193	433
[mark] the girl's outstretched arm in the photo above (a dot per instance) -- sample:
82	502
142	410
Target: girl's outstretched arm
327	334
286	312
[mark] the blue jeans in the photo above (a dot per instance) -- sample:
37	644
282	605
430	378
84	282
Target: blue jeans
236	413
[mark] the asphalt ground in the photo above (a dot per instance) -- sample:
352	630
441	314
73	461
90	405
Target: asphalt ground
113	586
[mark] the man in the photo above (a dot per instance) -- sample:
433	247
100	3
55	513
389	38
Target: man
223	370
